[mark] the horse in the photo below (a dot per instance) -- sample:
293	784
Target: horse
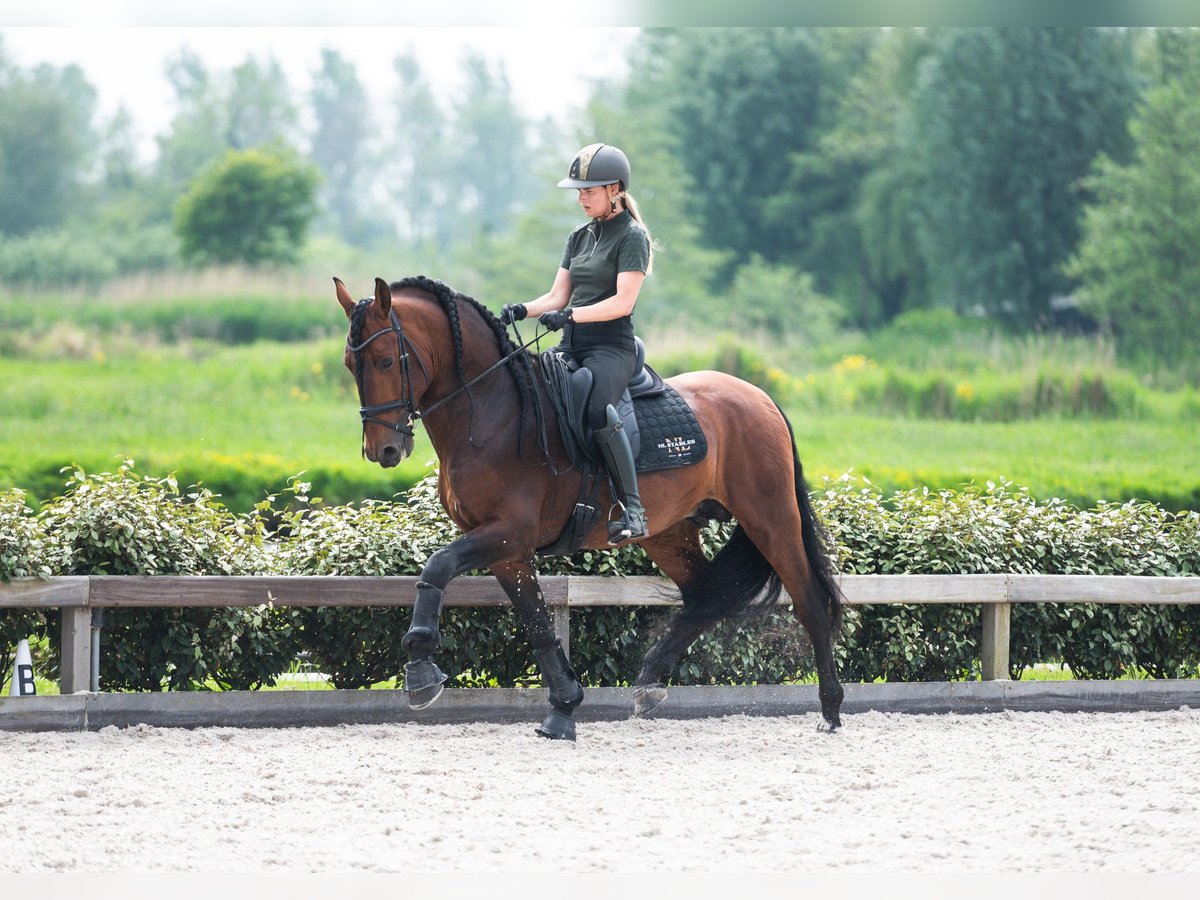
421	352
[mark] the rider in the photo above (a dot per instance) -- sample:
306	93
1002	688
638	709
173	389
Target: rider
603	266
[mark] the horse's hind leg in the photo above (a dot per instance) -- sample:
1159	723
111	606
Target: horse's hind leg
777	533
520	582
678	553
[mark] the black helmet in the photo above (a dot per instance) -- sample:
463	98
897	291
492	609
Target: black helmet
597	164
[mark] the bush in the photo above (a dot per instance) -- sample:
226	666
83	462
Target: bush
22	545
1001	529
126	524
252	206
123	523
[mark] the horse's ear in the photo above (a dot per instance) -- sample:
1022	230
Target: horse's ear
344	297
383	295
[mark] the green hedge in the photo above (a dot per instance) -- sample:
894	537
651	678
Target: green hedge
127	523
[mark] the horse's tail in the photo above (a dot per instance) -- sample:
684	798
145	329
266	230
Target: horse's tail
823	581
739	582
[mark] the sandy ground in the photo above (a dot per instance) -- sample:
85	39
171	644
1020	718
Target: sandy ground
1015	792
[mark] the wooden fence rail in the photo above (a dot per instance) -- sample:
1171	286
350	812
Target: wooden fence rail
79	596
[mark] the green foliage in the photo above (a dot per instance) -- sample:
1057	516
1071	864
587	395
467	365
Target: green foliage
45	117
1002	529
123	523
1005	121
130	524
253	206
1137	262
738	102
774	300
21	540
22	544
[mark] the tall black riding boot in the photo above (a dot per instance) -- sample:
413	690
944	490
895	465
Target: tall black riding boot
618	457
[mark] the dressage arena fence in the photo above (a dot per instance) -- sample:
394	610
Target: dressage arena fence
81	597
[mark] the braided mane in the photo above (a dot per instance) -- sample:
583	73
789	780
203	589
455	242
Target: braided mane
519	367
358	319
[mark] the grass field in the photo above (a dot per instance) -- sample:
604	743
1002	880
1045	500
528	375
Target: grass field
244	418
236	380
1082	461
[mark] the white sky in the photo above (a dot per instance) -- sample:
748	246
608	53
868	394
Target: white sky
549	68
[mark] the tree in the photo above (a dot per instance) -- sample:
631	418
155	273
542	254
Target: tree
253	206
1137	264
1006	121
198	130
45	141
341	149
814	208
259	104
883	273
741	103
490	163
420	146
247	107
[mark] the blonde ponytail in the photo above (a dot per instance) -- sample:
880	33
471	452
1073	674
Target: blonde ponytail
631	205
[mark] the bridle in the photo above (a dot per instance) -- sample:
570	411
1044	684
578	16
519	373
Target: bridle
372	412
405	348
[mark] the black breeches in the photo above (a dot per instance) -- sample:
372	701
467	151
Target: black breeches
612	368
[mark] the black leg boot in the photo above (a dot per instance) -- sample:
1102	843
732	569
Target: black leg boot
566	692
618	457
422	678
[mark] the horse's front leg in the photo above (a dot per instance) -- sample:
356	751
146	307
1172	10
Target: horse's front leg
477	549
520	582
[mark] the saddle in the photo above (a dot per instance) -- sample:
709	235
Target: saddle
570	386
662	429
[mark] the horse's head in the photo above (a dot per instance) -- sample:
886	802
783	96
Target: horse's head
379	355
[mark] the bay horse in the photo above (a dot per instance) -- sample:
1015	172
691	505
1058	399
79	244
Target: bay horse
420	352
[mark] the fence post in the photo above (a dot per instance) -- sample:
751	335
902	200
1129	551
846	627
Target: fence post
997	620
561	615
75	668
556	593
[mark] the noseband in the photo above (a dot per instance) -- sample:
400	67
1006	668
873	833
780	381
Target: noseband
371	413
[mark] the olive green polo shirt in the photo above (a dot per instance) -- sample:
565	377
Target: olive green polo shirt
594	254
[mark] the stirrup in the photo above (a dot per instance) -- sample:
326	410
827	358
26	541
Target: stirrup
625	530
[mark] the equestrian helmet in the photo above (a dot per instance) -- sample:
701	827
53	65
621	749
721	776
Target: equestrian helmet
597	164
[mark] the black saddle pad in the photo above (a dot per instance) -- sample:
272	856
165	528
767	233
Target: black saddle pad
671	436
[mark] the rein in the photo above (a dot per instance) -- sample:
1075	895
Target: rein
420	414
372	412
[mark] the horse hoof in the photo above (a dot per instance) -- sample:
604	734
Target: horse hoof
424	697
646	697
557	727
829	727
423	683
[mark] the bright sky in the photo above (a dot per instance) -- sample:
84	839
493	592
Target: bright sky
549	68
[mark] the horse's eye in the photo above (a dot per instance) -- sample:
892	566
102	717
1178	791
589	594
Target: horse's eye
387	362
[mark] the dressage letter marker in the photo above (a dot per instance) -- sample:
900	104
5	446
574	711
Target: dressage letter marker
22	680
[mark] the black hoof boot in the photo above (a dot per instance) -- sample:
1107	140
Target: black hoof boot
557	727
566	693
422	682
646	697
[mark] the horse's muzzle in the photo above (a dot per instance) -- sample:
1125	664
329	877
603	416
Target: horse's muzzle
390	453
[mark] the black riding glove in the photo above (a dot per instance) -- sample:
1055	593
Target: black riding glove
556	319
512	312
